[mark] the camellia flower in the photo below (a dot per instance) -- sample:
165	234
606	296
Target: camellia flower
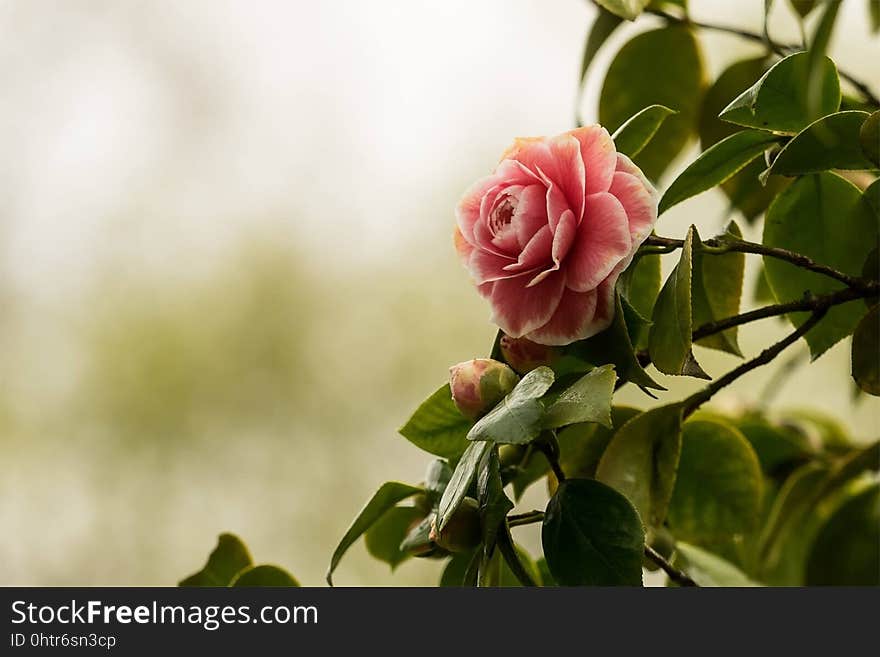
547	234
478	385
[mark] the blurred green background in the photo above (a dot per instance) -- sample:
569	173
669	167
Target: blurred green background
227	271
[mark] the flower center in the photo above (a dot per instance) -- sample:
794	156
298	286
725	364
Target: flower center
502	215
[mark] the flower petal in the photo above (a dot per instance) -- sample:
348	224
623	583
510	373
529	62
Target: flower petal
531	213
599	156
564	236
517	310
536	253
462	246
639	203
486	267
573	319
560	162
602	242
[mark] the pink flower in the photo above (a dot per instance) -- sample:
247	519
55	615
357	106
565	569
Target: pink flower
546	235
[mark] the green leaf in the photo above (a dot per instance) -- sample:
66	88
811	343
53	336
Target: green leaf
670	337
592	536
224	563
581	445
866	352
846	551
544	571
389	494
816	54
745	191
457	569
776	446
614	346
832	142
660	67
871	199
779	101
708	569
716	287
587	400
263	576
462	478
802	7
719	485
640	284
874	15
628	9
518	418
823	217
634	135
603	27
383	539
641	461
518	561
869	138
717	164
437	426
494	504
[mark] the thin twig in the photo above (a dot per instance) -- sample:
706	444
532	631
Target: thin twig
676	575
527	518
549	447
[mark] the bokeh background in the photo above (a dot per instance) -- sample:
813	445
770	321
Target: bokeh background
226	272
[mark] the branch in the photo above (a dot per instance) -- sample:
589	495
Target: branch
700	397
527	518
726	244
549	447
676	575
780	49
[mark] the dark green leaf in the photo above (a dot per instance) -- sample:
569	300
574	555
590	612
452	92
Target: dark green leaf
640	284
494	504
228	558
869	138
641	460
717	164
587	400
603	27
634	135
708	569
871	199
383	539
517	566
581	445
461	480
437	427
718	487
774	445
816	54
803	7
592	536
832	142
614	346
628	9
457	569
846	551
866	352
670	337
263	576
821	216
660	67
874	15
518	418
389	494
779	100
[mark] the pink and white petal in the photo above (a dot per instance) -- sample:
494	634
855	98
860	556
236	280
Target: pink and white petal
485	290
559	161
602	242
518	310
599	156
484	239
531	213
486	267
556	205
573	320
605	303
626	165
467	212
536	253
639	203
563	238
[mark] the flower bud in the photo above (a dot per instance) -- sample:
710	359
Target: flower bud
523	355
478	385
463	531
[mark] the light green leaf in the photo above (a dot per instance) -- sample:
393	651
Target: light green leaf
592	536
846	551
587	400
634	135
716	287
779	101
869	138
461	480
518	418
581	445
660	67
228	558
719	485
745	191
775	445
641	461
866	352
823	217
389	494
264	576
708	569
832	142
816	55
640	284
437	426
670	337
383	539
628	9
717	164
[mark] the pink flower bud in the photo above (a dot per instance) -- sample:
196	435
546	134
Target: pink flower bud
478	385
523	355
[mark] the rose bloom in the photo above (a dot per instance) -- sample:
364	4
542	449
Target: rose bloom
547	234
